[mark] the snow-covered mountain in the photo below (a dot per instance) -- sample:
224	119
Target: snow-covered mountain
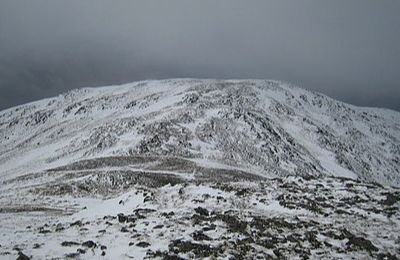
265	127
188	168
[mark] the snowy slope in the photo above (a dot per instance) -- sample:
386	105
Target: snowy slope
268	127
287	218
187	168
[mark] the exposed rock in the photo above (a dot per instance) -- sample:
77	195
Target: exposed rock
81	251
89	244
391	199
76	223
70	243
124	230
122	218
361	243
143	244
158	226
201	211
22	256
72	255
200	236
199	250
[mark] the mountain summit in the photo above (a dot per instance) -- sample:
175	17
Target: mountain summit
265	127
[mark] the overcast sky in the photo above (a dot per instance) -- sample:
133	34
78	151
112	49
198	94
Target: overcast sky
347	49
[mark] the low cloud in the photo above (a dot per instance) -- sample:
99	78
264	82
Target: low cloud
349	50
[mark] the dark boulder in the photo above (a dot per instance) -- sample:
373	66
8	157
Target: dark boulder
22	256
89	244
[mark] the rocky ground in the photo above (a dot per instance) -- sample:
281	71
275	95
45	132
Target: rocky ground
89	212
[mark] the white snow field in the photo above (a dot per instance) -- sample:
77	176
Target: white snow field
190	168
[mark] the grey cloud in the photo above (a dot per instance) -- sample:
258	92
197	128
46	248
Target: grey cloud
349	50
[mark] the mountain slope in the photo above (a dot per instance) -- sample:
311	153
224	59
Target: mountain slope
186	168
264	127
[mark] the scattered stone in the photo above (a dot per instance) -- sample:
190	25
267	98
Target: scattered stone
209	227
89	244
81	251
69	243
199	250
22	256
220	198
72	255
158	227
59	228
142	211
143	244
124	230
168	215
391	199
201	211
200	236
76	223
122	218
44	231
135	236
245	232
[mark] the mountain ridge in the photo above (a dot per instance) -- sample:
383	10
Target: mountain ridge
263	119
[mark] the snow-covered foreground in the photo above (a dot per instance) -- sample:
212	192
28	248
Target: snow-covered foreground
291	217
